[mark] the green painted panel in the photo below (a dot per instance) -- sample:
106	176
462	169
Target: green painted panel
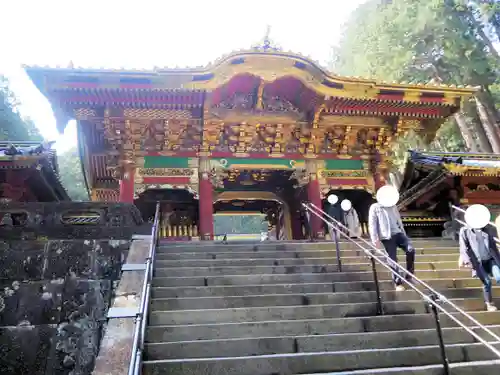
262	163
165	162
343	164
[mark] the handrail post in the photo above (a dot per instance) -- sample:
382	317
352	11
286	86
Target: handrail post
439	330
380	306
337	248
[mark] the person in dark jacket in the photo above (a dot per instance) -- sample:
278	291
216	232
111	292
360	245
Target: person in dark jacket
305	218
335	211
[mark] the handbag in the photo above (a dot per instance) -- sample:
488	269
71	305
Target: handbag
495	270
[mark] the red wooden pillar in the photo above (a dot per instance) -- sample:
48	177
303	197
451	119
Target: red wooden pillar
378	172
127	187
206	208
314	197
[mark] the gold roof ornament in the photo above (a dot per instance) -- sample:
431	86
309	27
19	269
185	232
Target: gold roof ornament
267	45
471	170
456	169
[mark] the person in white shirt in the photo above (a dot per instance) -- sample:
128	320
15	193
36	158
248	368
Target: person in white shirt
386	228
351	219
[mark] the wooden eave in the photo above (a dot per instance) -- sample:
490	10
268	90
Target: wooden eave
466	155
410	192
237	58
45	172
268	66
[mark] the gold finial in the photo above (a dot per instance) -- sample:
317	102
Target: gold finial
267	40
267	45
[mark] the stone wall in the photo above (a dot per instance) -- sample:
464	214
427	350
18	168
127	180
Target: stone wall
68	220
55	291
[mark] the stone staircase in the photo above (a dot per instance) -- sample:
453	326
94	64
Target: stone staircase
279	308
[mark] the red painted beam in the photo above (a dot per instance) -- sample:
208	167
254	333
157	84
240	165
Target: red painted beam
347	181
431	99
166	180
224	154
184	154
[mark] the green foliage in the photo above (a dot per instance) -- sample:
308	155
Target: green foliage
419	41
448	139
495	92
489	12
12	126
71	175
413	40
239	224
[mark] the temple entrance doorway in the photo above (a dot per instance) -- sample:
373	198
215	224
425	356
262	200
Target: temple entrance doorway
361	201
251	215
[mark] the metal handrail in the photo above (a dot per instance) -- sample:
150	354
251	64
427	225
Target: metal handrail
459	209
432	300
141	318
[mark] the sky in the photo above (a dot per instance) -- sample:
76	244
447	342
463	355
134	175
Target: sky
149	33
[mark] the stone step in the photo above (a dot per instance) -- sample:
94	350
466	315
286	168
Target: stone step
307	327
260	279
268	313
459	368
298	312
161	263
294	278
419	265
300	363
319	267
329	298
305	344
283	246
324	287
329	253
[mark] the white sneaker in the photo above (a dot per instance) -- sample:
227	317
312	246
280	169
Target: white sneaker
400	288
491	307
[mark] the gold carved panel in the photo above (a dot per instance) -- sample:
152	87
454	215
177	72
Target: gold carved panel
156	114
165	172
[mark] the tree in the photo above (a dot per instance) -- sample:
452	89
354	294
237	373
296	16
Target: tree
71	174
419	41
12	126
488	13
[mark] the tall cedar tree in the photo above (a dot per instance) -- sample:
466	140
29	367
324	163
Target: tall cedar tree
419	41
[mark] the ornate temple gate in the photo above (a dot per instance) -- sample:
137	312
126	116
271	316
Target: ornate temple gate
251	111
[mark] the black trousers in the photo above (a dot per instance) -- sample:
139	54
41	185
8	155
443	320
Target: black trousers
485	269
391	246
